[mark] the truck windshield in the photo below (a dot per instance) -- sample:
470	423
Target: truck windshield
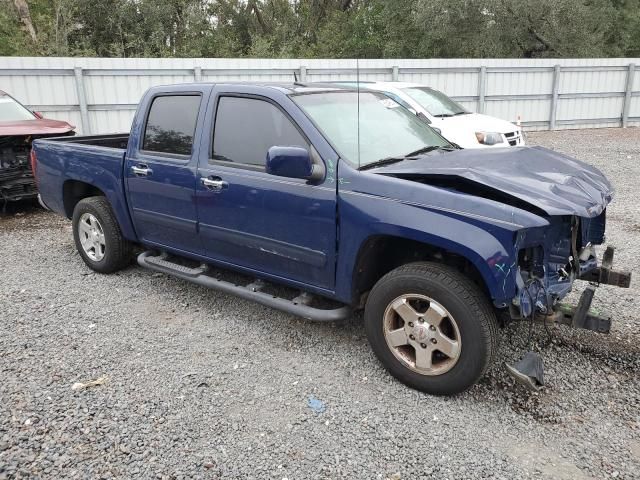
386	129
12	111
435	102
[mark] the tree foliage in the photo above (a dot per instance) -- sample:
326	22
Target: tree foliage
321	28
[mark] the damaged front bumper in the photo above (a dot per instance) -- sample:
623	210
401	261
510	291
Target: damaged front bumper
16	178
580	315
529	371
551	259
15	186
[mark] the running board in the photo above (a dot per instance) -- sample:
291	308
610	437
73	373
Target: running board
161	264
298	306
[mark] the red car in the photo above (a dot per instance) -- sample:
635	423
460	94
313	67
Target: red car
19	126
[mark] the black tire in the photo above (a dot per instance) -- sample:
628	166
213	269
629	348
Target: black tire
117	250
464	301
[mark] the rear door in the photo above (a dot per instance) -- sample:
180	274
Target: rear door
160	171
284	227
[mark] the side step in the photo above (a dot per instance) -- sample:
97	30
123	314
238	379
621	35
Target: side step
298	306
161	264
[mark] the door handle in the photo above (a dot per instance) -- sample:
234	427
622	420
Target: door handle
141	170
214	183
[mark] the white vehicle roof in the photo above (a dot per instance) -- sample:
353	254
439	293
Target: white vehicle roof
392	85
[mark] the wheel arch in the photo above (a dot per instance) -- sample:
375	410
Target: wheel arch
74	190
382	252
387	249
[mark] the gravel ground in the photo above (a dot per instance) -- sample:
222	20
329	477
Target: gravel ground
204	385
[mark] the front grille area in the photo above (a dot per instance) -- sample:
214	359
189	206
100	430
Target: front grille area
12	156
514	138
16	179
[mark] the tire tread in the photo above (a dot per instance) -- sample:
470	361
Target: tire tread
460	286
120	249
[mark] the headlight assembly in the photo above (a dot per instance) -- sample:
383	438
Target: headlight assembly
489	138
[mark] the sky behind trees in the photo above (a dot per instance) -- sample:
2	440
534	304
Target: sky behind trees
321	28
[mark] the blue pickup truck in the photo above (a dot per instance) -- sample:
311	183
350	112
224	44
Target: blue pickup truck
324	200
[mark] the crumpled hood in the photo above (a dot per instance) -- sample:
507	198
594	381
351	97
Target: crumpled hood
547	180
39	126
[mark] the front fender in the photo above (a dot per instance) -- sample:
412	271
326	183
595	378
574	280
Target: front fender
488	247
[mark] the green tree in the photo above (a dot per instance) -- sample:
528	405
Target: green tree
321	28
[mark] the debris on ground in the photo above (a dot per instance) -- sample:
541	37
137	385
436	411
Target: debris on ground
93	383
316	405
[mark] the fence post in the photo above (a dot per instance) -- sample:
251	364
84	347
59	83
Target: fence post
197	74
395	73
627	95
82	101
482	88
554	97
303	73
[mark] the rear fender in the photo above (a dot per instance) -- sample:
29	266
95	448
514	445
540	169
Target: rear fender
98	167
112	188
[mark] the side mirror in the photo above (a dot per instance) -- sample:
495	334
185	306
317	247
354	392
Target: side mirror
293	162
38	115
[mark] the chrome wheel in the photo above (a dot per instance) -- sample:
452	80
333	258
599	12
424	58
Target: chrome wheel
91	237
422	334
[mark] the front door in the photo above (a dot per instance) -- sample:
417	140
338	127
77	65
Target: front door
161	173
283	227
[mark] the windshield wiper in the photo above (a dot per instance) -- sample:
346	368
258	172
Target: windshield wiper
461	113
381	162
442	115
428	149
390	160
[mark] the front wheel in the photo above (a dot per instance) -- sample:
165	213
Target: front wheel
98	237
431	327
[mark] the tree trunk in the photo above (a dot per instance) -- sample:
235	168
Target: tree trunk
25	17
258	14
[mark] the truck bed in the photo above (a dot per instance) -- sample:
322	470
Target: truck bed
115	140
95	160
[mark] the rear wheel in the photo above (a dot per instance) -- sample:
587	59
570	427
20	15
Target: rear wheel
431	327
98	237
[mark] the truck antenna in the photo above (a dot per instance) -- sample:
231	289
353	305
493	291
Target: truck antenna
358	99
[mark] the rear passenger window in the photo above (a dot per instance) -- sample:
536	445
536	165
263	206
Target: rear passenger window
171	124
246	128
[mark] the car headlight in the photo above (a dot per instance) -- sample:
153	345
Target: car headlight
489	138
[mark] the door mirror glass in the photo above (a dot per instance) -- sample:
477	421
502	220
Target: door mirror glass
291	162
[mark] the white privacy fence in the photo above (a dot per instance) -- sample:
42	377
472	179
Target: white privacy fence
100	95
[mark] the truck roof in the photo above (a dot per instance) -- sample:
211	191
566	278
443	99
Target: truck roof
285	87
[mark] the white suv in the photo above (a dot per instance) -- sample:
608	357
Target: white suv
456	124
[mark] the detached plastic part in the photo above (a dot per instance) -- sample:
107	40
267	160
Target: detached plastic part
529	372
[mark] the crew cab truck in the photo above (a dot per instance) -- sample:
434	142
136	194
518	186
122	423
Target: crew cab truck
346	201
